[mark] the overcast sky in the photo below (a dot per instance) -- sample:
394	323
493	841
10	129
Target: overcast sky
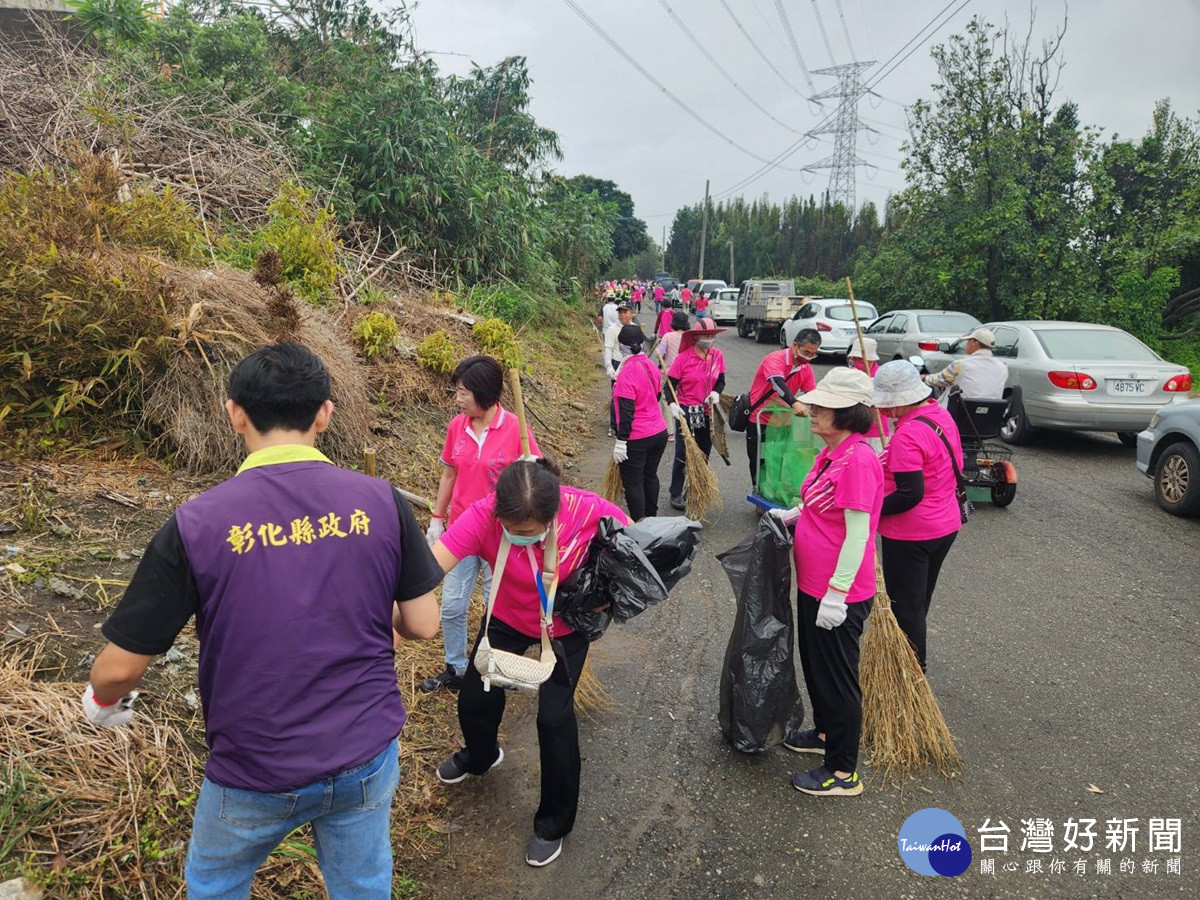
1121	56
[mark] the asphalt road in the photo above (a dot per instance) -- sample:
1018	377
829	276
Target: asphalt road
1063	645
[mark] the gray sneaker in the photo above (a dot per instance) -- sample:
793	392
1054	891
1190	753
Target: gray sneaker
452	770
542	853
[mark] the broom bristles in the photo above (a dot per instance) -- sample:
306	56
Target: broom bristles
902	723
590	693
719	437
702	492
613	489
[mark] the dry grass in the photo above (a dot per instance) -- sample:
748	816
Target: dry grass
903	726
221	315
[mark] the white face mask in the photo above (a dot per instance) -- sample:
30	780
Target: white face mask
705	345
523	540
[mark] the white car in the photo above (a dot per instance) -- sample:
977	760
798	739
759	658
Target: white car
723	306
832	318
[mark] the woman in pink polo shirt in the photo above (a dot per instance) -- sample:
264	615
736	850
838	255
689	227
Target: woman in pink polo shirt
866	359
668	344
529	500
698	375
480	442
920	512
834	551
641	428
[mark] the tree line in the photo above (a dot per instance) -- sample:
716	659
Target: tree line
1013	208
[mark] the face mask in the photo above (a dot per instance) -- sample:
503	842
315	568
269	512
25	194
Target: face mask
705	345
523	540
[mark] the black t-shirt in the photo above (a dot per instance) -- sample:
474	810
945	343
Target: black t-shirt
162	596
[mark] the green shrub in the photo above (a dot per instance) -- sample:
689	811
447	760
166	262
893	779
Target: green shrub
498	339
376	333
438	353
304	236
502	303
83	305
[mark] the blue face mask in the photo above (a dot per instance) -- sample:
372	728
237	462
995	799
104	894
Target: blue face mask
523	540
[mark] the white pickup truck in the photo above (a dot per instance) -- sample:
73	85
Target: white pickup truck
763	307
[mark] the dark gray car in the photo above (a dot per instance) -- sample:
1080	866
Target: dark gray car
905	333
1168	452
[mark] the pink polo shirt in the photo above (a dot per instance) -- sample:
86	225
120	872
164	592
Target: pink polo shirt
478	532
876	420
668	348
640	380
915	447
685	296
847	477
659	293
478	460
800	380
701	302
664	322
697	374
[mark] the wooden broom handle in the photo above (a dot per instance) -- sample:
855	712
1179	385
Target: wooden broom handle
862	348
514	380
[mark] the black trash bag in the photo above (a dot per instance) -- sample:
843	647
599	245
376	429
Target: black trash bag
760	700
625	571
669	542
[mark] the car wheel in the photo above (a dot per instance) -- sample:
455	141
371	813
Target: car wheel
762	334
1127	438
1003	494
742	330
1015	428
783	338
1177	480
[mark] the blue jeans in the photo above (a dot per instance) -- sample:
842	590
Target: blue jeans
235	830
456	599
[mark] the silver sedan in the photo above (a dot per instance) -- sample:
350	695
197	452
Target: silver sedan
1074	376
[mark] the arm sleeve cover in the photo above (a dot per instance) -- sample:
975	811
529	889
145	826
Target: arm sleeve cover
910	490
624	418
779	383
858	529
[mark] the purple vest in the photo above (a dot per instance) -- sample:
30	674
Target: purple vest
297	566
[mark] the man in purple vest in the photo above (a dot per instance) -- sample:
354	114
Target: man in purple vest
296	571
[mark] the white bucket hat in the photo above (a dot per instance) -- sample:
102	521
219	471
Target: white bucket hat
872	348
898	383
840	389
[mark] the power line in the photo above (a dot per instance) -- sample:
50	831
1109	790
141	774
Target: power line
846	31
716	65
791	36
765	57
886	69
608	39
824	36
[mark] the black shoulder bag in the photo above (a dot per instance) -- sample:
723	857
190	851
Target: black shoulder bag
965	506
742	409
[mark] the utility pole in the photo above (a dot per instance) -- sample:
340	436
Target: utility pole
663	267
732	276
703	231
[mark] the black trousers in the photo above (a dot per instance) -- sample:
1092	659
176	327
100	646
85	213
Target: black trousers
703	438
639	475
910	571
829	660
754	435
480	712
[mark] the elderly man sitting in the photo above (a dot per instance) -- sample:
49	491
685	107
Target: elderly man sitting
978	375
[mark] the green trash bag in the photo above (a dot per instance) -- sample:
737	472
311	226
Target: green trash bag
787	452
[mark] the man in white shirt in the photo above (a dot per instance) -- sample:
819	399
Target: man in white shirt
609	311
978	375
612	349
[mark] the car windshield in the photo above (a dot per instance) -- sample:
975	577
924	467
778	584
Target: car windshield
946	323
845	314
1093	343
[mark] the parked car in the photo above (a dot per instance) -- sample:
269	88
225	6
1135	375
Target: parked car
1074	376
833	318
710	286
904	333
1168	452
723	306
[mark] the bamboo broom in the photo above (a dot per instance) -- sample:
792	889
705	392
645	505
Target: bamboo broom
902	723
588	689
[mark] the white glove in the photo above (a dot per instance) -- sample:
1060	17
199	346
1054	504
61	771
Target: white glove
833	609
113	716
620	452
713	399
676	410
437	527
786	516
